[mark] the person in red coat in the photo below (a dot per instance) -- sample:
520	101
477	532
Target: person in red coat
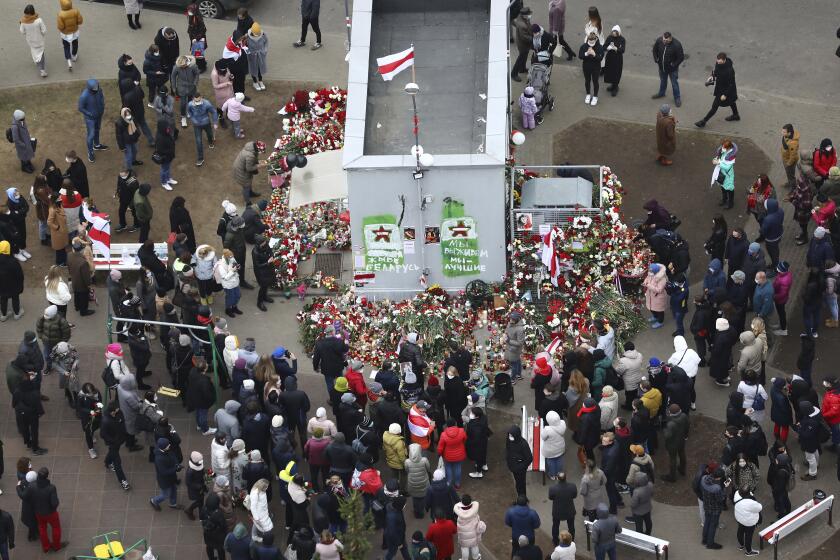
441	533
825	157
356	382
453	448
831	409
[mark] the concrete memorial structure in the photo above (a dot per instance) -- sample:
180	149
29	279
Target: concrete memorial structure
436	217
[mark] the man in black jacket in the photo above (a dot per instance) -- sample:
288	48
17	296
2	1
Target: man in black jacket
460	358
668	55
328	358
726	93
77	173
201	394
562	496
26	402
411	352
295	404
114	435
611	465
45	503
341	457
166	472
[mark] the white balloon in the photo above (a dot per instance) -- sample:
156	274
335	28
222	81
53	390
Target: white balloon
517	137
427	160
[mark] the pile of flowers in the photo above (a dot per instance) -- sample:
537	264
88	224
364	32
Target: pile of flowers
313	122
579	261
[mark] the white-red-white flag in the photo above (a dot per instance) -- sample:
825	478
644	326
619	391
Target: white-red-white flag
100	230
393	64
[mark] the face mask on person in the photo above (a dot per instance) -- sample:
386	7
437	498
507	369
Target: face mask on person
68	160
155	54
128	118
742	463
197	102
591	42
129	63
190	14
472	416
450	376
511	438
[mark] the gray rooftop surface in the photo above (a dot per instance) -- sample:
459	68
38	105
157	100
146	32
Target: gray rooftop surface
451	44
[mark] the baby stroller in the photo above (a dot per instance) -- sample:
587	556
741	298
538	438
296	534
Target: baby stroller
539	78
503	387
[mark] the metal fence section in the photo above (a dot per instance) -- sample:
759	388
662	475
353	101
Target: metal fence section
548	216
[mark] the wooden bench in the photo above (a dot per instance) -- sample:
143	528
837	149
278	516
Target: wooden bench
785	526
124	256
633	539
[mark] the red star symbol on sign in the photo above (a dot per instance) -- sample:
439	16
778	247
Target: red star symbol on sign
461	229
382	234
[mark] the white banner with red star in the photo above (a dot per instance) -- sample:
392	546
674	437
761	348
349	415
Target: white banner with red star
383	243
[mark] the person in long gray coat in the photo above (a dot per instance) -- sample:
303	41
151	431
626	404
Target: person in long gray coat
130	407
257	53
132	12
23	141
184	82
640	503
514	341
419	475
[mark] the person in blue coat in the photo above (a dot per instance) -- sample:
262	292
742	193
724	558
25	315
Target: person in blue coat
92	107
166	472
772	228
763	296
394	535
715	279
522	520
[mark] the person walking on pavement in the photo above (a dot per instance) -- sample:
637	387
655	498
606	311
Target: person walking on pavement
748	515
45	502
790	153
24	146
184	83
523	39
309	11
668	55
26	402
114	435
165	148
726	92
202	114
518	457
129	404
92	107
11	283
33	30
166	472
666	134
557	24
69	21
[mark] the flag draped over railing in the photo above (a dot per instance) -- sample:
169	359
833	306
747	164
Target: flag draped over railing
100	230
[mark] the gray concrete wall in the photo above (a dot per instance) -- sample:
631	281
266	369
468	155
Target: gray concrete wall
377	192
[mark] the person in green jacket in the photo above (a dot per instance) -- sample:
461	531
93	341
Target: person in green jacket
143	210
14	374
602	362
52	328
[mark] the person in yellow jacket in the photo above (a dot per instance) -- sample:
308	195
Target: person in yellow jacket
393	444
69	21
651	398
790	153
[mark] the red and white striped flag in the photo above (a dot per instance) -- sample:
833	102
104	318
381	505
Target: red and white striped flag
393	64
100	231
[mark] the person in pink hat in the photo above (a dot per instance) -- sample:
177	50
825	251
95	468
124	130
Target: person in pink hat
115	368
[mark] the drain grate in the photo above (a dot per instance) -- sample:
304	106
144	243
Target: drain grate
329	264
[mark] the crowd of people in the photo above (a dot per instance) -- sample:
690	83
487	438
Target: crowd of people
402	432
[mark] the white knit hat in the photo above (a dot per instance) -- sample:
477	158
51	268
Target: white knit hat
721	324
395	429
277	421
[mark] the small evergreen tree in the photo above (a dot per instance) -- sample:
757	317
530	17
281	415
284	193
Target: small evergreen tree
357	538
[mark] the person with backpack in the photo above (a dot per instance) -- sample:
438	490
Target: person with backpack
812	433
642	462
782	479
